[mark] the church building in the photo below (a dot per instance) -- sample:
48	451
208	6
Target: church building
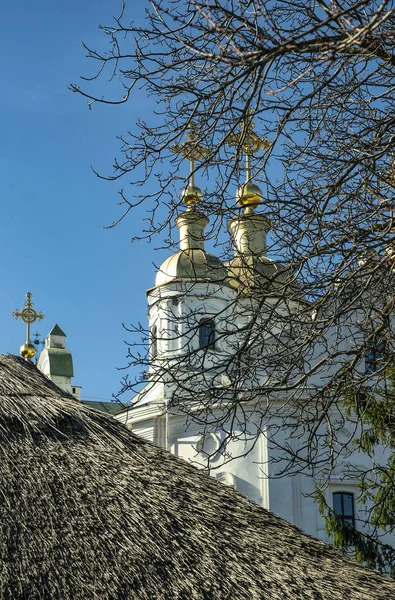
202	314
211	326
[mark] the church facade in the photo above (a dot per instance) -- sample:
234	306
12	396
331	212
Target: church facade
201	313
214	330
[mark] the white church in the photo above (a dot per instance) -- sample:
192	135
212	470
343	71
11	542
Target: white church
200	312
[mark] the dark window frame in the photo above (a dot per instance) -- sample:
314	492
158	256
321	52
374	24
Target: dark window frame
154	341
207	334
374	354
376	340
340	500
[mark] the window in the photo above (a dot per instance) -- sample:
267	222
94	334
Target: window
343	506
374	353
154	341
207	334
376	344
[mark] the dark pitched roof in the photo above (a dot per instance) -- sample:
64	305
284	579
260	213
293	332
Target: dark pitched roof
56	330
109	408
88	510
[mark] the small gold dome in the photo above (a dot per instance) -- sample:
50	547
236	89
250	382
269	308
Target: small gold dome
27	350
192	195
249	195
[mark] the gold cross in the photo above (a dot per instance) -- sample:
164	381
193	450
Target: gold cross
191	150
249	142
28	315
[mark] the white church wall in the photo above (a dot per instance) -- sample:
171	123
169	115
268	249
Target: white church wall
177	309
257	471
63	382
145	430
252	471
206	450
254	464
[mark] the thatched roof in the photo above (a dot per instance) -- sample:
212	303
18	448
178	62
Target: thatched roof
88	510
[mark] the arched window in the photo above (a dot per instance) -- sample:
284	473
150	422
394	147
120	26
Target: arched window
154	341
343	506
207	334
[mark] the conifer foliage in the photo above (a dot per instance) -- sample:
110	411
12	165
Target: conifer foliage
365	537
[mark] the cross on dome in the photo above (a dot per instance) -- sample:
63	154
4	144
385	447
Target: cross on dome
191	150
28	315
249	195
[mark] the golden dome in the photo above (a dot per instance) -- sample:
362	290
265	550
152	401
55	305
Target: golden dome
261	275
191	265
27	350
192	195
249	195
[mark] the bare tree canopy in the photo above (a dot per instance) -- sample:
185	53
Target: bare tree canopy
317	78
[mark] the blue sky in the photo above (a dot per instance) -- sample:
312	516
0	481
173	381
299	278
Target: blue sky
87	279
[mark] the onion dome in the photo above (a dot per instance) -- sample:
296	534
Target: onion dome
252	275
251	271
193	264
249	196
27	350
192	195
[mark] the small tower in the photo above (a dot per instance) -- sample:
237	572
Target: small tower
56	362
250	267
191	288
251	272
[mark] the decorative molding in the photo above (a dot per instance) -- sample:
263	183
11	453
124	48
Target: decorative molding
208	445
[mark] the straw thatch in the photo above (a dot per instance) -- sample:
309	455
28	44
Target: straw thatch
88	510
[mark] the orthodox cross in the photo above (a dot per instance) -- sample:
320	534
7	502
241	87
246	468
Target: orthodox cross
191	150
28	315
249	142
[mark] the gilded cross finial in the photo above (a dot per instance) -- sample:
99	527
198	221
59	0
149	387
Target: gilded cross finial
249	142
28	315
191	150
